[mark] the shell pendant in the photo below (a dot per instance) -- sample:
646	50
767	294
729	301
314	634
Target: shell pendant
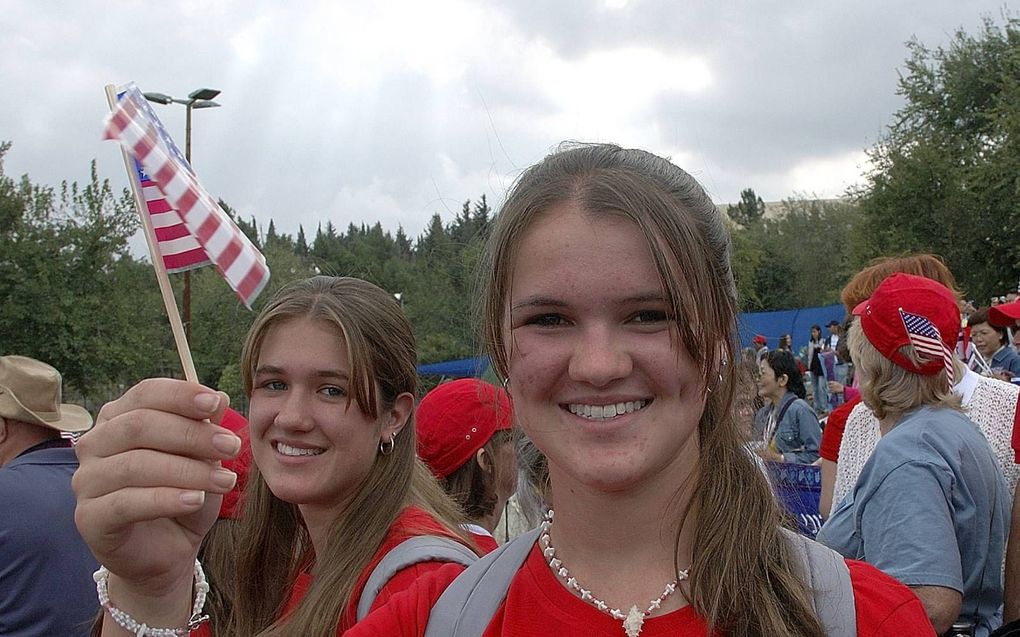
635	619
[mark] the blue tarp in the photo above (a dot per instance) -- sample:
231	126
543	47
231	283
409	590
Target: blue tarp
771	325
797	323
460	368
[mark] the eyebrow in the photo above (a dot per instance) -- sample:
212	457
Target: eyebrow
541	301
322	373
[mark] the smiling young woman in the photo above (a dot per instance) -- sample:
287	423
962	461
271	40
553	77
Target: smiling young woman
329	366
610	309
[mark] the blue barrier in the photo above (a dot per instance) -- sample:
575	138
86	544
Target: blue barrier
798	487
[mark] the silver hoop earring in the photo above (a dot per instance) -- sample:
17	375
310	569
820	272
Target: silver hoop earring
506	384
386	448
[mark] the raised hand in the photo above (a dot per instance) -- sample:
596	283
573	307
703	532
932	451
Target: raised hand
149	487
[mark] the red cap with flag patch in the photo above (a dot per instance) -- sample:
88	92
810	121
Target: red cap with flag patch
912	310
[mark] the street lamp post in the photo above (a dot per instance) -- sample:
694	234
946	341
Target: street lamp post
200	98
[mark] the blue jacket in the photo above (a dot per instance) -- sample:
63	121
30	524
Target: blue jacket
46	585
1007	359
798	434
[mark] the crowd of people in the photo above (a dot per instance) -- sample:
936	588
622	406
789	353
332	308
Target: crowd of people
346	506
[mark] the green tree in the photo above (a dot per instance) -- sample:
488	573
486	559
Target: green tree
800	258
70	292
947	170
749	211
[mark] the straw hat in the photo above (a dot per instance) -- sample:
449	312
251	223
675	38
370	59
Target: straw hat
30	391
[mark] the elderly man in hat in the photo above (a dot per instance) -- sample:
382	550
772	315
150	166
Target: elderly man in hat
45	568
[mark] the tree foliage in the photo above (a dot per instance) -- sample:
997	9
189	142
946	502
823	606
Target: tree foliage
802	257
947	171
749	211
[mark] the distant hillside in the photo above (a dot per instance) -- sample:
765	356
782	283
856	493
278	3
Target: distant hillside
774	209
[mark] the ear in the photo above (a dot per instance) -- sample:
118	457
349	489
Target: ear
782	380
482	458
396	417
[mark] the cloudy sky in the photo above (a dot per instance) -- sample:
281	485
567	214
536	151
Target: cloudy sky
392	111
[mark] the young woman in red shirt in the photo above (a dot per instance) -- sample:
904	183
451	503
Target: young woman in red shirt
329	366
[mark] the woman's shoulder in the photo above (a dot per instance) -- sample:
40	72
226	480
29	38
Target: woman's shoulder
414	521
801	407
884	606
405	613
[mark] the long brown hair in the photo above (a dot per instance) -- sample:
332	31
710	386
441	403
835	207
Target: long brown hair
274	544
742	580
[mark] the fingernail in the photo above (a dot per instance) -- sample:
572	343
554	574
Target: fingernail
227	443
193	498
207	402
224	478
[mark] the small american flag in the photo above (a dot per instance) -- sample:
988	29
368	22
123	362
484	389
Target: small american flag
133	124
927	341
180	250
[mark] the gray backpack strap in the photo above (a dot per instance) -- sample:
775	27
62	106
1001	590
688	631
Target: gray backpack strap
470	602
415	550
828	579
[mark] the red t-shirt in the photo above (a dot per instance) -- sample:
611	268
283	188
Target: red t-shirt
411	522
538	604
835	424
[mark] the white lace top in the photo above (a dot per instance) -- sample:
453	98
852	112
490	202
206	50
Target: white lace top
992	405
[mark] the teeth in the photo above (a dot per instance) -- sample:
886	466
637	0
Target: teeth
605	412
287	450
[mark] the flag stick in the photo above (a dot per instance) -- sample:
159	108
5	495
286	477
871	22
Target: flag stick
157	259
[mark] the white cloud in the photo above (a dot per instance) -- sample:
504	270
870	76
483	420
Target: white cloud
830	176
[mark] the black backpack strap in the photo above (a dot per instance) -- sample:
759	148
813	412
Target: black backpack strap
415	550
827	577
470	602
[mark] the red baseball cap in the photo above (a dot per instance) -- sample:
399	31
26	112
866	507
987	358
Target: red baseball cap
919	300
456	419
758	338
1004	314
230	507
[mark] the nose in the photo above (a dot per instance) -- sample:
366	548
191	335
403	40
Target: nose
599	357
293	414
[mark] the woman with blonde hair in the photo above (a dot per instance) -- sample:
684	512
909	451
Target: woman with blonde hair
930	506
335	486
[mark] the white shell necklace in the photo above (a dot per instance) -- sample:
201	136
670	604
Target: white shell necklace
633	619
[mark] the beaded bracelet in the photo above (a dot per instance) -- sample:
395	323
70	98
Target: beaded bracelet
130	624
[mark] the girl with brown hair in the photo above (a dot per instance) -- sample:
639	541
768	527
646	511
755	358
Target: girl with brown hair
329	366
610	309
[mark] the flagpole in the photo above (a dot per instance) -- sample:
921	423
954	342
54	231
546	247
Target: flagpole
157	259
